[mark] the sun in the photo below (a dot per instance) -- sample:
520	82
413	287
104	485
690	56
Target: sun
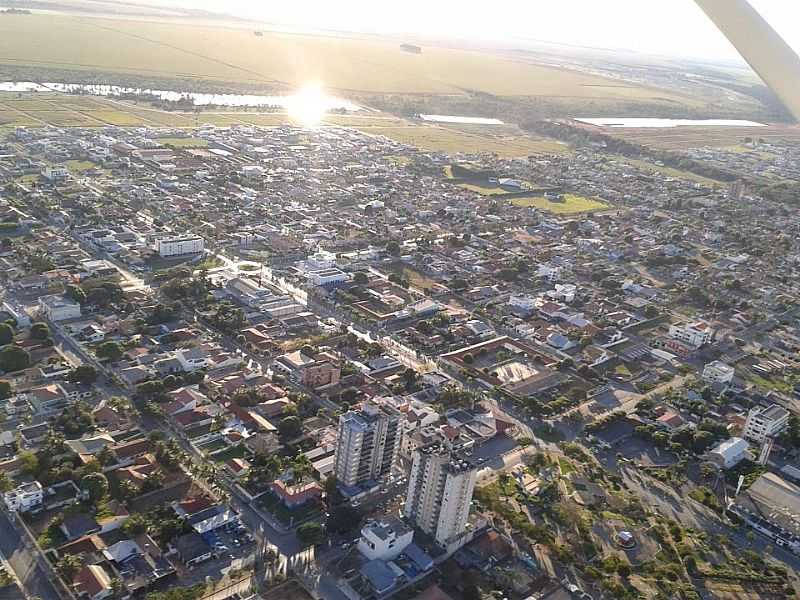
308	106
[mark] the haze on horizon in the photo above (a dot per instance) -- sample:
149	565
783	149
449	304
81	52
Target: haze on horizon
664	27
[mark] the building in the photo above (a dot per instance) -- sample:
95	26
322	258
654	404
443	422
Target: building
192	549
729	453
367	445
58	173
718	372
327	277
440	493
58	308
294	495
93	582
25	498
178	246
765	422
693	334
384	540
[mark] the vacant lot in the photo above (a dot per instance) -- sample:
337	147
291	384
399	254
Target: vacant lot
570	204
169	49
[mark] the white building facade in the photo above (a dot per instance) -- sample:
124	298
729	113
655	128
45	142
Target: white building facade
718	372
765	422
367	445
25	498
59	308
693	334
178	246
439	494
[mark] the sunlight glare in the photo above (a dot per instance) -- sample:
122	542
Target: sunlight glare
308	106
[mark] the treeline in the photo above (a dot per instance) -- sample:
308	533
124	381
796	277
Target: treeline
577	136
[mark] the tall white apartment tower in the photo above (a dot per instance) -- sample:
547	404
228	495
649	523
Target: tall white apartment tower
440	493
367	445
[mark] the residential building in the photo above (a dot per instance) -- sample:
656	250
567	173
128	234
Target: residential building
384	540
765	422
192	549
729	453
57	173
178	246
367	445
693	334
718	372
25	498
93	582
59	308
439	493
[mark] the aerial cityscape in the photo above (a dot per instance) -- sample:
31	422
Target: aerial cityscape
313	314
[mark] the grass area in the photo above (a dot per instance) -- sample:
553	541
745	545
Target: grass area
571	204
119	118
221	53
565	466
232	452
211	262
483	190
249	267
181	142
414	277
440	139
668	171
776	384
78	166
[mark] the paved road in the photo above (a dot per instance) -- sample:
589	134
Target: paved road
25	561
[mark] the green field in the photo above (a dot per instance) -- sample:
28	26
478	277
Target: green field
572	204
181	142
224	53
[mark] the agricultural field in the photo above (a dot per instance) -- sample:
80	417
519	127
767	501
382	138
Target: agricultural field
571	204
441	139
683	138
181	142
285	61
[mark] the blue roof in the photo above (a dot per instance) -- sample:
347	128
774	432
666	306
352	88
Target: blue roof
419	557
380	576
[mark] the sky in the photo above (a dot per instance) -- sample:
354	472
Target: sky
664	27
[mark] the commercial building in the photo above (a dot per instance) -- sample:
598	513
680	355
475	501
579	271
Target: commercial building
439	493
59	308
178	246
729	453
384	540
367	445
693	334
765	422
718	372
24	498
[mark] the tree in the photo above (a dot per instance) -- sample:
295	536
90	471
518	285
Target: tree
109	350
135	524
290	427
14	358
6	334
96	485
85	374
76	293
6	390
311	534
624	570
393	248
360	278
68	566
40	331
343	519
6	483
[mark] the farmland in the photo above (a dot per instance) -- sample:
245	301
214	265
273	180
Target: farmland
571	204
682	138
282	61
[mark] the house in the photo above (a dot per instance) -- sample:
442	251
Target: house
58	308
25	498
693	334
93	582
718	372
292	495
384	540
729	453
78	525
765	422
211	518
192	549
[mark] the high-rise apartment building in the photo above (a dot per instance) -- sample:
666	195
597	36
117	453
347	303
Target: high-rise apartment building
439	493
367	445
